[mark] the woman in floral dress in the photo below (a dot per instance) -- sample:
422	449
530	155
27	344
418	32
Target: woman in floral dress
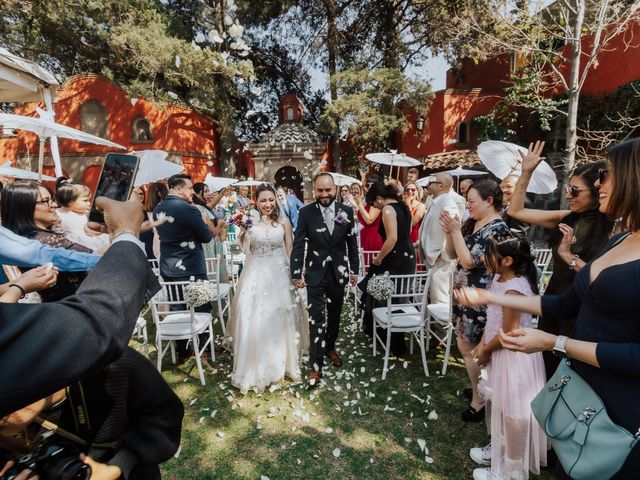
468	243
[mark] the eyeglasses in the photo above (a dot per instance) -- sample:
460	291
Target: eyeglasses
410	190
573	191
603	173
49	202
434	182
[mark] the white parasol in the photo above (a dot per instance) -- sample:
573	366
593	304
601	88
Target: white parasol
6	170
154	166
44	127
394	159
341	179
249	183
503	159
216	184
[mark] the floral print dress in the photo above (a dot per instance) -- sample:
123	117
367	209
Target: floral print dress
470	321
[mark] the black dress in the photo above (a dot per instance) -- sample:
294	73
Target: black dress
400	261
607	314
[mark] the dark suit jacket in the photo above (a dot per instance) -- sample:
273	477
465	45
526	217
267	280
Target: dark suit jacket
45	347
181	240
341	246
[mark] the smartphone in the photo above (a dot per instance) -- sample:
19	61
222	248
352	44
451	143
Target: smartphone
116	181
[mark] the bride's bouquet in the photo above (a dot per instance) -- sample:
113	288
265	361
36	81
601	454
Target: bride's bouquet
198	293
240	219
381	287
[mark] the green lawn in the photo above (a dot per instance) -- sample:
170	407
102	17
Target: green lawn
355	426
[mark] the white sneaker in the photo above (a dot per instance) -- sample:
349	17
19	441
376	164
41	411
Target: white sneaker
485	474
482	456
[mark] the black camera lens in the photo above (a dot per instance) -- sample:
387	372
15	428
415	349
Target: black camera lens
68	468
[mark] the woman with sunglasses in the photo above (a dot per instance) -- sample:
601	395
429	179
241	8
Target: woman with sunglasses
28	209
411	197
604	347
343	196
577	234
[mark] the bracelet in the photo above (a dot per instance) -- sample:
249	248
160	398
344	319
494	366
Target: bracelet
574	262
122	232
23	292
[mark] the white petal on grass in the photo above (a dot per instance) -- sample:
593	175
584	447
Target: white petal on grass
432	415
220	434
422	444
336	452
328	430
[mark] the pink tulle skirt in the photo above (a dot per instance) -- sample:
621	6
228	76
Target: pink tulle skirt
518	443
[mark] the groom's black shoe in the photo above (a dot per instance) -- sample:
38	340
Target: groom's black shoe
336	361
314	379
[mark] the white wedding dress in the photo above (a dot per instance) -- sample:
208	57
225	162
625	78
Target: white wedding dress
269	323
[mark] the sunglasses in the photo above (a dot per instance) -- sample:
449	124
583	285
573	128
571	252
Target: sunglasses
573	191
603	173
411	190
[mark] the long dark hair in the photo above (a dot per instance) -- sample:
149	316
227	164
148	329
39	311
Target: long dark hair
517	247
199	189
600	227
18	206
156	193
485	188
624	164
386	191
68	191
265	187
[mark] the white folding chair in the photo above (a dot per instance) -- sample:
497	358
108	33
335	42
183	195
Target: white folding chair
366	256
440	324
232	236
140	331
222	290
406	312
233	258
182	324
542	260
154	263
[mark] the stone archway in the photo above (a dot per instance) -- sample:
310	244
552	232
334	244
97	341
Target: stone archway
290	178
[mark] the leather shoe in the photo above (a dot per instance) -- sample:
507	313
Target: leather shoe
314	379
472	415
336	361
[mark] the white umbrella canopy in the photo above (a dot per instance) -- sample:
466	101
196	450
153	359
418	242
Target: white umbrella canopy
216	184
341	179
393	158
248	183
503	159
45	127
464	172
6	170
154	166
24	81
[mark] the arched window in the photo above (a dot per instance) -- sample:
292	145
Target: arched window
290	113
463	133
141	130
93	118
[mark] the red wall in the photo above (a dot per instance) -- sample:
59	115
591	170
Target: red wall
176	129
492	74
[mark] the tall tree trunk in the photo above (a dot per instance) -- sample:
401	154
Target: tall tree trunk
573	94
332	48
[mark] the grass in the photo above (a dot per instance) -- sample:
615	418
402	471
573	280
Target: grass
292	433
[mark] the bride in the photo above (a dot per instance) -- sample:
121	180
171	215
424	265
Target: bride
269	323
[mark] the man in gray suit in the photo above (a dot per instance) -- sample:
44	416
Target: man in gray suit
431	237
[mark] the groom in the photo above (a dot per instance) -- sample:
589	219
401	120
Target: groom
327	229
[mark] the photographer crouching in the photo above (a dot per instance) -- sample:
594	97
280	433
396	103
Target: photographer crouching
75	401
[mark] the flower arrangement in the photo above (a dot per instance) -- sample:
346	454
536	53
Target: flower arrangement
198	293
240	219
381	287
341	217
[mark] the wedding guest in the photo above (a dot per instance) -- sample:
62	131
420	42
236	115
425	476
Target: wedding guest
369	218
290	206
28	208
242	198
577	234
343	195
74	201
181	238
215	247
431	238
513	379
604	347
156	193
464	186
508	186
412	175
397	255
355	190
416	207
468	244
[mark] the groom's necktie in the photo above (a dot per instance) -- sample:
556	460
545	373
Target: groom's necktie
328	219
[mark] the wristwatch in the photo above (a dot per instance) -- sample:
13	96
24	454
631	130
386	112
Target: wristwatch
558	348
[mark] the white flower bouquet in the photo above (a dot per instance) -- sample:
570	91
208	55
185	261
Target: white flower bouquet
198	293
381	287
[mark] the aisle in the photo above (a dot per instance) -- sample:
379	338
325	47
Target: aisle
358	427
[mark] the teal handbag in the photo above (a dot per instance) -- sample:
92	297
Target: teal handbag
588	444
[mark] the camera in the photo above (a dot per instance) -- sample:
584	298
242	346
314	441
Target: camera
52	461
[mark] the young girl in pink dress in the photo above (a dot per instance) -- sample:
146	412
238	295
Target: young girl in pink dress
518	444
